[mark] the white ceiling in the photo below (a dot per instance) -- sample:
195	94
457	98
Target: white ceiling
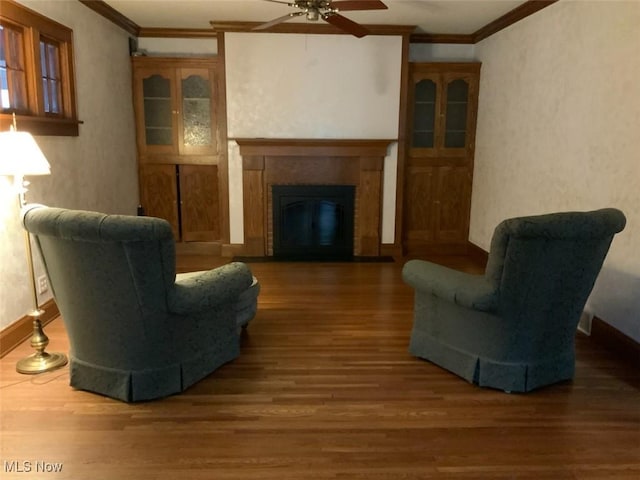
430	16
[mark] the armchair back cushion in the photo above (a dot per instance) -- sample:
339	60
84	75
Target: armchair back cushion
135	333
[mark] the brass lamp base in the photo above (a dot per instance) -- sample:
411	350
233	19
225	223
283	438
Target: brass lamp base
41	362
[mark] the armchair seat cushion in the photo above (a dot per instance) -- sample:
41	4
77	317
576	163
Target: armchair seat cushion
246	304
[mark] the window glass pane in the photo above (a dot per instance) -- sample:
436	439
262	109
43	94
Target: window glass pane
43	59
13	91
4	85
52	55
51	85
55	96
17	90
196	111
4	88
45	93
13	48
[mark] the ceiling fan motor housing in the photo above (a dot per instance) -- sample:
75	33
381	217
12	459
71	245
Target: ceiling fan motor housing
329	12
314	9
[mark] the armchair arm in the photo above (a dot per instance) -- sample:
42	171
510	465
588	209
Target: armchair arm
203	290
466	290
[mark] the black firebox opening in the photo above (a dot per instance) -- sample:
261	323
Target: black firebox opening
313	221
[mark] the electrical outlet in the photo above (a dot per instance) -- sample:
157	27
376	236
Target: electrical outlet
43	284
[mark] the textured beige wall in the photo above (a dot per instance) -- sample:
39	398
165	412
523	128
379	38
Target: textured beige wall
559	129
94	171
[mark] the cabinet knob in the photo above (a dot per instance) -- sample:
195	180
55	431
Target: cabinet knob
175	112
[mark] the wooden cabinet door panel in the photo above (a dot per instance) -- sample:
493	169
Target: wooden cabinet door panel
199	203
419	198
159	193
452	204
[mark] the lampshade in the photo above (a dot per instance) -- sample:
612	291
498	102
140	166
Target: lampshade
20	155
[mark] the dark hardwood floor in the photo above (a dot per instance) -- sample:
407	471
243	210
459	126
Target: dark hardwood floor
325	389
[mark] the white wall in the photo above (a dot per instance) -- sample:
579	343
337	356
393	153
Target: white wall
178	47
312	86
441	52
559	129
94	171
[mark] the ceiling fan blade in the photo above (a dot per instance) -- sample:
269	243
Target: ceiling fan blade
343	23
347	5
279	1
278	20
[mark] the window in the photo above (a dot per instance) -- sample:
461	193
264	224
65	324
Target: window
12	74
51	81
36	72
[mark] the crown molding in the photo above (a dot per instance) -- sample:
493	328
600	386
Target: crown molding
309	28
441	38
111	14
177	32
522	11
527	8
513	16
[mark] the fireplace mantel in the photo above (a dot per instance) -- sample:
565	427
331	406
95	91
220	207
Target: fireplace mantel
313	147
268	161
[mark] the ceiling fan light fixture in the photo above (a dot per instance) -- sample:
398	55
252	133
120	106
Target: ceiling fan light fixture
327	10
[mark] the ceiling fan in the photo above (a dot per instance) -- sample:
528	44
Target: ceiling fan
328	11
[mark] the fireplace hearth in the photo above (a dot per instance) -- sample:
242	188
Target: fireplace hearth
314	222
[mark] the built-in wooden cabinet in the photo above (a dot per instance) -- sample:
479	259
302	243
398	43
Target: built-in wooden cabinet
176	103
443	101
184	195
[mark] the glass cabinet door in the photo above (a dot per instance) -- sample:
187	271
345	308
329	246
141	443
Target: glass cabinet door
424	114
196	111
158	112
457	102
197	135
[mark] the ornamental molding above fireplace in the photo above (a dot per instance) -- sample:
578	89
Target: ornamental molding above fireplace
267	162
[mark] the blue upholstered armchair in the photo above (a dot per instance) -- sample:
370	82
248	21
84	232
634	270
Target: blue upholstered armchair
513	328
137	331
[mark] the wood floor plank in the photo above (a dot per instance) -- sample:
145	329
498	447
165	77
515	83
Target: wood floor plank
325	389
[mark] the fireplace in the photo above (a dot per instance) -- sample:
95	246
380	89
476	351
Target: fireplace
357	164
313	222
